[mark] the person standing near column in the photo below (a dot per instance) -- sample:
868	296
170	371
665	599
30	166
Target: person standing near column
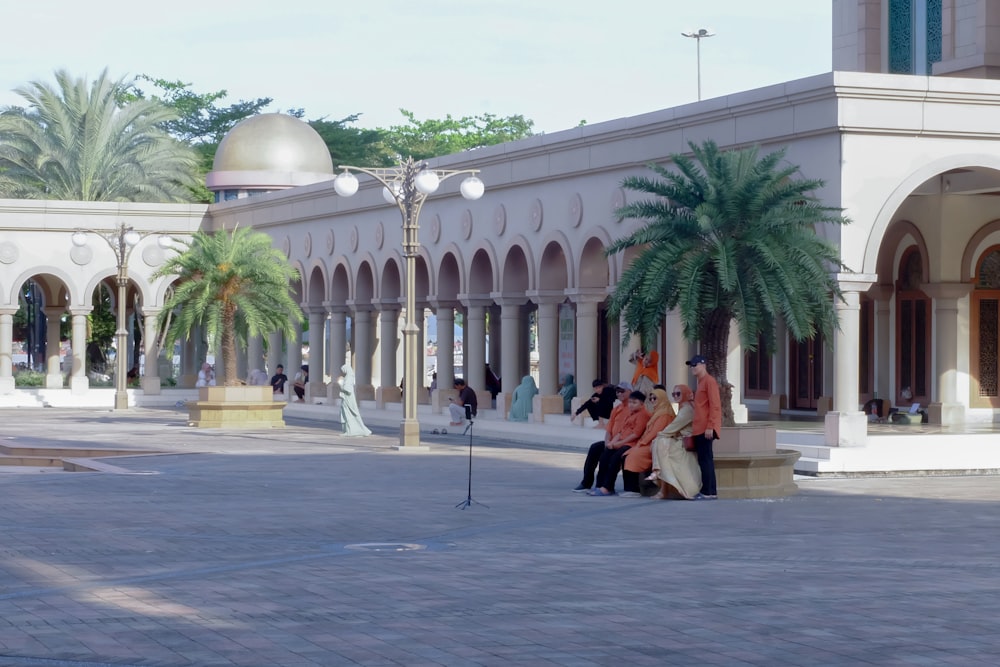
706	426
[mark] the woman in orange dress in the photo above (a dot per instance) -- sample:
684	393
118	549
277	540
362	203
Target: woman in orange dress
639	458
647	372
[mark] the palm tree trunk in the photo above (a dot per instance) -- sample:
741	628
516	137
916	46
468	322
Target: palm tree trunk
715	347
228	345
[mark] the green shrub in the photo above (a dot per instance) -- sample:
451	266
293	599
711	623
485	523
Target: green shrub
29	379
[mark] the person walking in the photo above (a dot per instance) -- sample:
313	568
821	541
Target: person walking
707	424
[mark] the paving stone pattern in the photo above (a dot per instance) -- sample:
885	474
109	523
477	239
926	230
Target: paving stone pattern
301	547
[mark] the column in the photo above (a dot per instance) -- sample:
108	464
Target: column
317	320
53	374
363	352
7	350
294	360
847	425
946	408
779	370
675	353
275	352
475	347
734	363
548	346
254	356
189	360
150	349
510	349
388	391
495	351
445	363
338	346
883	335
586	340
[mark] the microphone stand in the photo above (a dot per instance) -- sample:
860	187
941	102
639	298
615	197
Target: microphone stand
468	502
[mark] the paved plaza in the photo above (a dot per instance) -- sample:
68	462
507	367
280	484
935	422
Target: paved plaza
300	547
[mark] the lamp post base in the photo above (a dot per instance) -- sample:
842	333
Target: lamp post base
409	437
121	400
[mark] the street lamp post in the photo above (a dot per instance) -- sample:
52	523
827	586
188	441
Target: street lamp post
408	185
698	35
121	240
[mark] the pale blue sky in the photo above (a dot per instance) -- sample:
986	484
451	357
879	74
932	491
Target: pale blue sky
554	61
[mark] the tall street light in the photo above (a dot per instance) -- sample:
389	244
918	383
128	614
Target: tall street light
121	241
698	35
408	186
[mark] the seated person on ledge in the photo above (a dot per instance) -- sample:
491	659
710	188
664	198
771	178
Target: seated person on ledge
466	396
600	404
615	422
635	421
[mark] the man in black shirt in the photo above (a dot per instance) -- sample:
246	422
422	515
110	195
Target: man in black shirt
466	396
278	380
600	404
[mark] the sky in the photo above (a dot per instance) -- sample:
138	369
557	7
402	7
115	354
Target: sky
556	62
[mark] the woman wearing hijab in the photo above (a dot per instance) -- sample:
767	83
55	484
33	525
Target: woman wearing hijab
350	416
568	392
675	470
639	458
521	399
647	372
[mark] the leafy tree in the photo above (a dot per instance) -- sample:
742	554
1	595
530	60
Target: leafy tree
76	142
353	145
729	236
234	285
432	138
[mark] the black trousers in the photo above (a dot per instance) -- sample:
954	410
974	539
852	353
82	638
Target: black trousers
590	464
610	464
706	461
630	480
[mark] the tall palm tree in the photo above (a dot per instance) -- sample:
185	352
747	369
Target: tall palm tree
234	285
82	143
729	236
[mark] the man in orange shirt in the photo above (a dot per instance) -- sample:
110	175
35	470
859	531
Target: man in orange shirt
634	423
706	426
615	422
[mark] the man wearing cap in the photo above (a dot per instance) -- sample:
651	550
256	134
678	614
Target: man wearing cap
707	424
615	423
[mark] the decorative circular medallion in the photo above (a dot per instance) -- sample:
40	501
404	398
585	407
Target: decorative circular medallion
354	239
81	255
330	245
575	210
536	214
8	252
153	255
286	247
500	219
379	235
467	224
617	201
307	244
436	228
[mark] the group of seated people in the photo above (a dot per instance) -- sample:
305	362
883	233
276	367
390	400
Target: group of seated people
643	439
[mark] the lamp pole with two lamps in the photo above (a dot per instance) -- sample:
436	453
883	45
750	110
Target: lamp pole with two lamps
408	185
121	240
698	35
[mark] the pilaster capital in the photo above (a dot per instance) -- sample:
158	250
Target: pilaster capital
54	311
587	295
546	297
475	300
360	306
9	311
946	291
446	305
148	311
334	307
507	300
389	305
855	282
83	311
881	291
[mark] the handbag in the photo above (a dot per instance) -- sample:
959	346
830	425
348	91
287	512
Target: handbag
688	442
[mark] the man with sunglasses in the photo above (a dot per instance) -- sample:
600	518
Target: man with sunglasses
614	425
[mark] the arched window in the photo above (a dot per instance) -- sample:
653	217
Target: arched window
985	333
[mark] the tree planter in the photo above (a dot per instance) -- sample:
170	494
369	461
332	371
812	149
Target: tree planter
748	463
236	407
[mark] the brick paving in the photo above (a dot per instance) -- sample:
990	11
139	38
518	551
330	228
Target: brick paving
300	547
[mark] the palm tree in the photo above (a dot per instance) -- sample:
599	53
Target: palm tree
83	143
234	285
729	236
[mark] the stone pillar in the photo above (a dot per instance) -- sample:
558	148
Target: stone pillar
883	335
847	425
388	390
254	356
493	357
734	360
548	345
292	362
150	348
79	383
317	321
53	374
586	340
338	347
445	364
363	353
7	350
189	360
674	355
475	347
946	409
510	348
275	353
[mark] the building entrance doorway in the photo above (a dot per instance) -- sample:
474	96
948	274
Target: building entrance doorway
806	373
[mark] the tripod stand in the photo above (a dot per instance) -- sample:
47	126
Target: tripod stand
468	502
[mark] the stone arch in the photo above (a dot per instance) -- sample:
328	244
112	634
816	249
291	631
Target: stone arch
64	285
341	283
556	266
482	272
364	284
518	274
900	236
450	277
315	288
906	187
981	244
391	282
596	268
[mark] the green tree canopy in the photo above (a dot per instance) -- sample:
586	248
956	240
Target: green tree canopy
234	285
76	142
729	236
422	139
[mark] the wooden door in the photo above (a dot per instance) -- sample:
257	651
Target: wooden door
985	333
806	373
